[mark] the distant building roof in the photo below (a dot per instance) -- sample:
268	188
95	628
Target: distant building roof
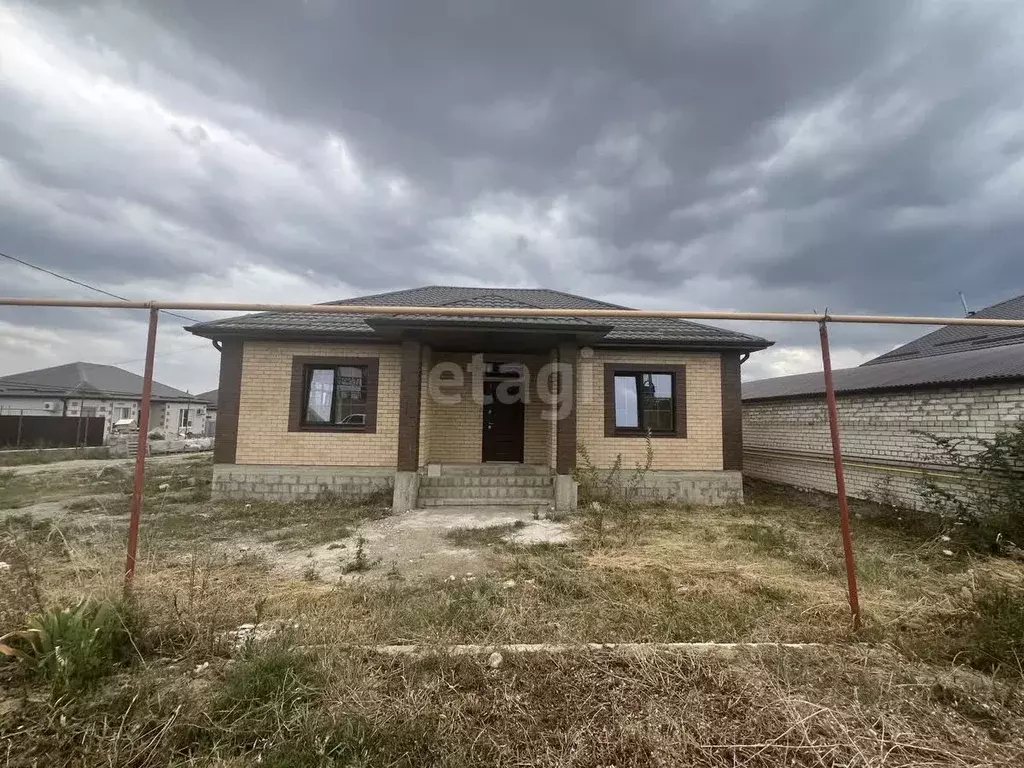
961	338
613	329
210	397
990	364
85	380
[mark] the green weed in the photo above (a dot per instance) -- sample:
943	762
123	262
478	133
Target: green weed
73	648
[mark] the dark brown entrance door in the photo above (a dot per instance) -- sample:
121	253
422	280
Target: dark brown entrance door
504	422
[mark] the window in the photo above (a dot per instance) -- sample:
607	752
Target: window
645	398
124	413
184	418
334	395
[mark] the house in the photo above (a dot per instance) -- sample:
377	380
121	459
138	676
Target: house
470	409
90	389
956	382
210	398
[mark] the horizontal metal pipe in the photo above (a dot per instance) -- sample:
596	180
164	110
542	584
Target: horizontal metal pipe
355	309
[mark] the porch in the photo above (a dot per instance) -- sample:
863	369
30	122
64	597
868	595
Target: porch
486	428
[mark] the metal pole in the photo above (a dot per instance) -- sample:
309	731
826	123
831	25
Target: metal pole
17	440
837	458
141	450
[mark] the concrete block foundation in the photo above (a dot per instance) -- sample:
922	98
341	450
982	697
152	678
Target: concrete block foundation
712	488
292	483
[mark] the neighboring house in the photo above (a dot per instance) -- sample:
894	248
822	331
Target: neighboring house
462	409
89	389
956	382
210	398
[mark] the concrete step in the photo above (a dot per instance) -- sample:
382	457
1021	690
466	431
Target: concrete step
520	503
487	492
492	470
477	481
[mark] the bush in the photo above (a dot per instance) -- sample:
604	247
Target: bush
611	495
986	498
72	648
996	630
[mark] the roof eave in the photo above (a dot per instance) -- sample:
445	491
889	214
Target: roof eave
271	334
250	334
736	345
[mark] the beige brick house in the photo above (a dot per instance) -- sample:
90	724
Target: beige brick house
474	410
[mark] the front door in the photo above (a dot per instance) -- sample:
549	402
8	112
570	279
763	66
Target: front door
504	422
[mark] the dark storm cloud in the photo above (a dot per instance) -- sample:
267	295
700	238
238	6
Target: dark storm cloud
535	88
786	155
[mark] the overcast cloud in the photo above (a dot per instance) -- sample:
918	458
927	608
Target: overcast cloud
787	155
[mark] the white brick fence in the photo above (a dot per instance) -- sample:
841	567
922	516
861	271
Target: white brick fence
787	440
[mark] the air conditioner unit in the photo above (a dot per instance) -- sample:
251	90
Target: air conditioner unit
48	406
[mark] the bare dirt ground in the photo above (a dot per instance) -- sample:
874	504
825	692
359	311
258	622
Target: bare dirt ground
76	465
935	678
88	501
419	543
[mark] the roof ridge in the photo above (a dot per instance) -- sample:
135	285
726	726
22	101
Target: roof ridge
997	304
537	289
488	292
579	296
379	295
944	339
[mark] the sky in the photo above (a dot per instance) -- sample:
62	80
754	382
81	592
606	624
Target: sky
791	155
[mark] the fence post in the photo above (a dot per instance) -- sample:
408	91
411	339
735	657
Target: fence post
837	459
141	450
17	440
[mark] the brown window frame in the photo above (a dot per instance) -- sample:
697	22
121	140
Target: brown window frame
678	373
301	368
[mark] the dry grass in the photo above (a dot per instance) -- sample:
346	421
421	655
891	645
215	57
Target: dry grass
770	571
285	707
483	537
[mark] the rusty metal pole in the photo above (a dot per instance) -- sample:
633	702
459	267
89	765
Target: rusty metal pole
837	458
141	450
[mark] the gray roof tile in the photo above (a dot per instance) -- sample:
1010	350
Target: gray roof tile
960	338
627	330
84	380
976	365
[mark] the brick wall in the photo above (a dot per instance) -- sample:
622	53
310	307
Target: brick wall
537	449
263	436
452	432
787	441
701	449
456	429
